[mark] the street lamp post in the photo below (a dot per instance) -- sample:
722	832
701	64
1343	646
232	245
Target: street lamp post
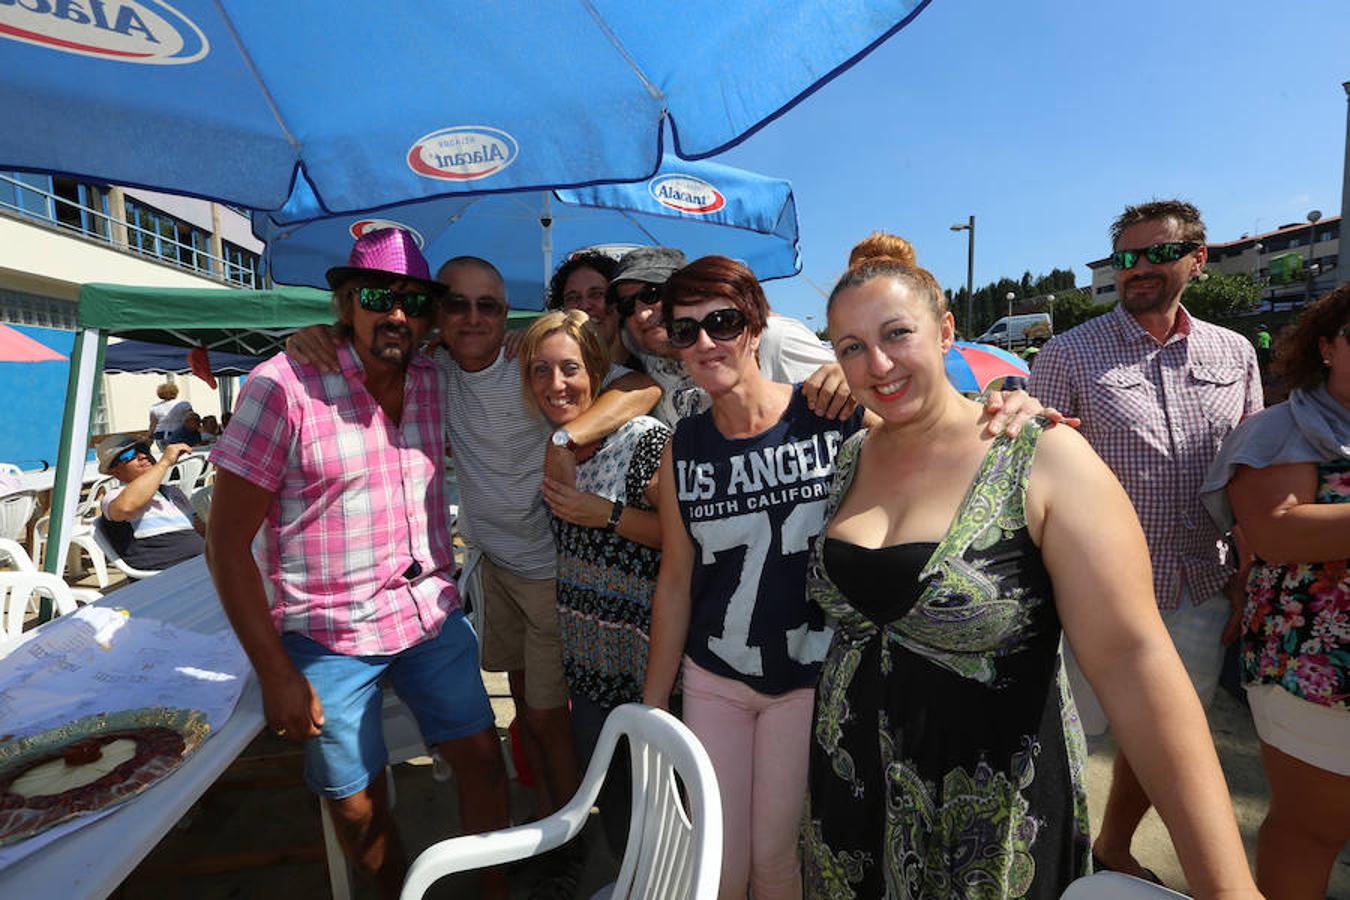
1010	297
970	274
1313	216
1050	302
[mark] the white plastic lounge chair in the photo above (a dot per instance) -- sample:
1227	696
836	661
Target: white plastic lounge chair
671	855
100	537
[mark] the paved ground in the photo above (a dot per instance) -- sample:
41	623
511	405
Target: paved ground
256	834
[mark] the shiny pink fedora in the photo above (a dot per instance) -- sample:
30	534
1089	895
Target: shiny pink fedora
387	251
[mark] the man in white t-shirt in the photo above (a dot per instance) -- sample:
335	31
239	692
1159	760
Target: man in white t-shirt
499	449
151	525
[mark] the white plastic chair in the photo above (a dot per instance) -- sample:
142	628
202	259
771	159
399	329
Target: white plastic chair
1116	886
671	855
15	511
19	589
100	537
82	534
186	471
13	554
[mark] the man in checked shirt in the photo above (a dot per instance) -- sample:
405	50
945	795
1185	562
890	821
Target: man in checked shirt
354	581
1157	390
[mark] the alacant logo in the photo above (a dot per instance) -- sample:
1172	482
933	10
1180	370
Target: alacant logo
463	153
364	226
687	194
133	31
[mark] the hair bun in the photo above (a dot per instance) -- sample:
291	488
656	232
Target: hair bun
882	246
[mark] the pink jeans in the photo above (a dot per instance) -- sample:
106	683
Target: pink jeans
759	746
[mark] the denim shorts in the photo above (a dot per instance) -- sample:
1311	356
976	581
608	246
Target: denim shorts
438	679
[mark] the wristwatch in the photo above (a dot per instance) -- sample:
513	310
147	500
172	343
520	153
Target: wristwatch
615	513
562	439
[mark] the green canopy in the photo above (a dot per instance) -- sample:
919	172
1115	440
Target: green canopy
236	321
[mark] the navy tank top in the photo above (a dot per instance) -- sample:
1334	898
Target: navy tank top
753	508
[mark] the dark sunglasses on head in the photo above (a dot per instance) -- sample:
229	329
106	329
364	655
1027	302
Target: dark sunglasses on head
129	454
648	294
1166	252
416	304
720	324
460	306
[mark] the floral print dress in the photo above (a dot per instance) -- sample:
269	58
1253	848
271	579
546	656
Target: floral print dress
605	581
1296	624
946	758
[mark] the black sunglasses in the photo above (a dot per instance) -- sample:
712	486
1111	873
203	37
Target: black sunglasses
416	304
720	324
648	295
1166	252
461	306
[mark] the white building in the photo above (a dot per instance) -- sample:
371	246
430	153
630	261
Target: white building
57	233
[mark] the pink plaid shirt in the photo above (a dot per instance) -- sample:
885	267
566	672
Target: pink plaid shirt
1157	415
359	500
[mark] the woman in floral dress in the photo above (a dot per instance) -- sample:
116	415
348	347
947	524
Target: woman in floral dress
1287	475
608	535
946	759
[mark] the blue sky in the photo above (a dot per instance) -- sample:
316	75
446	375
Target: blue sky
1044	118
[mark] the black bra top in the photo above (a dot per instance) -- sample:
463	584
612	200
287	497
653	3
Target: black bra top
881	583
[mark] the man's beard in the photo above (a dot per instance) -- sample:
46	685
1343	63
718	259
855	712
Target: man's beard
1139	303
391	352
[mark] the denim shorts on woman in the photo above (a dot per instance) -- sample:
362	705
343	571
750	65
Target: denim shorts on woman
438	680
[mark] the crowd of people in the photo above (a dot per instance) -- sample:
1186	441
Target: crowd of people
850	581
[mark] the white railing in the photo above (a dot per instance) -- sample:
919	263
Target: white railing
141	241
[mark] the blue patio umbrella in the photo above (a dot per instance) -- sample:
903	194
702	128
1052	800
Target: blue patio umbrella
376	103
699	207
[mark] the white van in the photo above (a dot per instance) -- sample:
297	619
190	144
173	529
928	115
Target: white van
1016	332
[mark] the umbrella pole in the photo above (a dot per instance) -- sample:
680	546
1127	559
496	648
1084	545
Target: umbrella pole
546	245
86	360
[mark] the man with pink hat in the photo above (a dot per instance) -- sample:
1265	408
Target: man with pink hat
353	579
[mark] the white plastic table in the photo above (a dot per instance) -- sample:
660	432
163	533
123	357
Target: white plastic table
94	860
45	480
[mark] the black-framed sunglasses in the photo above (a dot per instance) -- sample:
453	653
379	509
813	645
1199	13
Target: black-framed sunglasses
129	454
720	324
461	306
416	304
1166	252
647	295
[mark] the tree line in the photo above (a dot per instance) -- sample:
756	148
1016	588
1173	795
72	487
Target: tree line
1214	297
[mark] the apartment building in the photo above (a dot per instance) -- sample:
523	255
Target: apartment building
57	233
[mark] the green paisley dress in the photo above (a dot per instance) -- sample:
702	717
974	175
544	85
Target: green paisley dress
946	755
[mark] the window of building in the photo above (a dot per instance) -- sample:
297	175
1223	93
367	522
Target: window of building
242	267
161	235
1106	289
65	202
